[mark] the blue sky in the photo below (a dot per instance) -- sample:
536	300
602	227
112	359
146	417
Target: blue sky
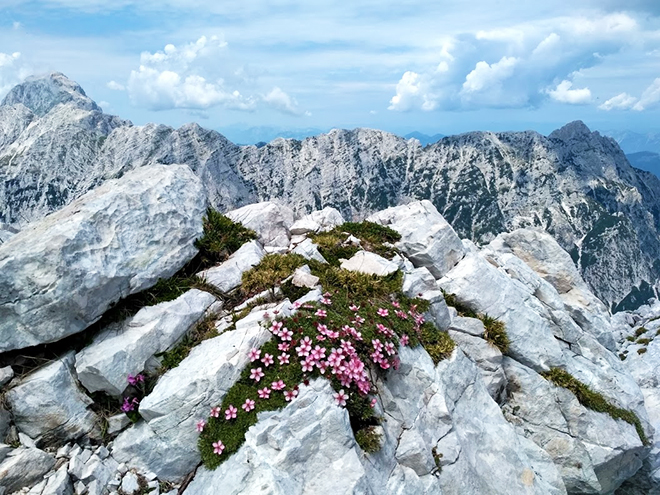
437	67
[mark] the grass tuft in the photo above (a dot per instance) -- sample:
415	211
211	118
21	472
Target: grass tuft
369	439
221	238
593	400
271	270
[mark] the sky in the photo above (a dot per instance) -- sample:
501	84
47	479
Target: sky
445	66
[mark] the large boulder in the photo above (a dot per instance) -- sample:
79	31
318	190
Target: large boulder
125	348
369	263
547	258
48	406
271	222
59	275
426	237
317	221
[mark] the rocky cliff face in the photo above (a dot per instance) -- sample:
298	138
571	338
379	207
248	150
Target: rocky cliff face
56	144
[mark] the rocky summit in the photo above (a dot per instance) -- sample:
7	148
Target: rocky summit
56	144
352	313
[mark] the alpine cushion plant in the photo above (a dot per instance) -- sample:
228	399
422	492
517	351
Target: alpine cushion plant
348	340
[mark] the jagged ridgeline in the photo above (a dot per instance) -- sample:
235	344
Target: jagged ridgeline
56	144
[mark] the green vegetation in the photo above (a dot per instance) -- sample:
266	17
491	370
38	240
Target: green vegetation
495	330
630	338
221	238
644	341
270	272
593	400
640	331
333	245
368	439
641	350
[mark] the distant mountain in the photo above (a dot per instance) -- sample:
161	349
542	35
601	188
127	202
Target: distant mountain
424	139
265	134
645	160
633	142
56	144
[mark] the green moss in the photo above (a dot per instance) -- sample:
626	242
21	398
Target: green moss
640	331
622	356
630	338
437	343
644	341
221	238
271	270
368	439
333	244
641	350
593	400
462	309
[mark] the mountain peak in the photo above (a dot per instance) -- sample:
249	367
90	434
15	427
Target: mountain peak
573	130
41	93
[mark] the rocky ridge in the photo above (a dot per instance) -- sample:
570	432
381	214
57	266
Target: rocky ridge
484	419
575	184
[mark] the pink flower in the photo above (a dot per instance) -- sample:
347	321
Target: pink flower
215	411
256	374
254	354
264	393
230	412
378	346
200	425
289	395
278	385
326	301
321	313
404	339
129	405
383	312
335	357
359	320
283	358
305	347
267	360
374	401
333	334
276	326
283	347
218	447
389	348
286	334
376	356
307	365
353	307
401	314
340	398
318	353
134	380
384	363
248	405
322	365
396	304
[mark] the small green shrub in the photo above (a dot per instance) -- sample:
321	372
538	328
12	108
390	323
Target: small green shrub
271	270
641	350
593	400
622	356
630	338
462	309
644	341
221	238
640	331
495	333
368	439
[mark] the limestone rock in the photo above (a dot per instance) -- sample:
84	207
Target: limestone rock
24	467
48	406
369	263
309	250
488	359
59	275
125	349
6	374
228	275
271	222
426	237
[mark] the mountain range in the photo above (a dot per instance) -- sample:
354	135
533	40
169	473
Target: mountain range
56	144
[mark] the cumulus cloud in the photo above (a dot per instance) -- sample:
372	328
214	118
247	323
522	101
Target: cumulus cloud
194	77
518	66
564	94
649	99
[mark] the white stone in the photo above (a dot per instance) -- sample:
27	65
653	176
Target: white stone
369	263
417	281
228	275
269	220
304	278
426	237
59	275
125	349
309	250
59	483
6	374
328	218
304	225
48	406
129	484
80	488
471	326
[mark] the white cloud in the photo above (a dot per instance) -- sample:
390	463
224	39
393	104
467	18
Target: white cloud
650	97
12	71
115	86
281	101
622	101
16	25
564	94
518	66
